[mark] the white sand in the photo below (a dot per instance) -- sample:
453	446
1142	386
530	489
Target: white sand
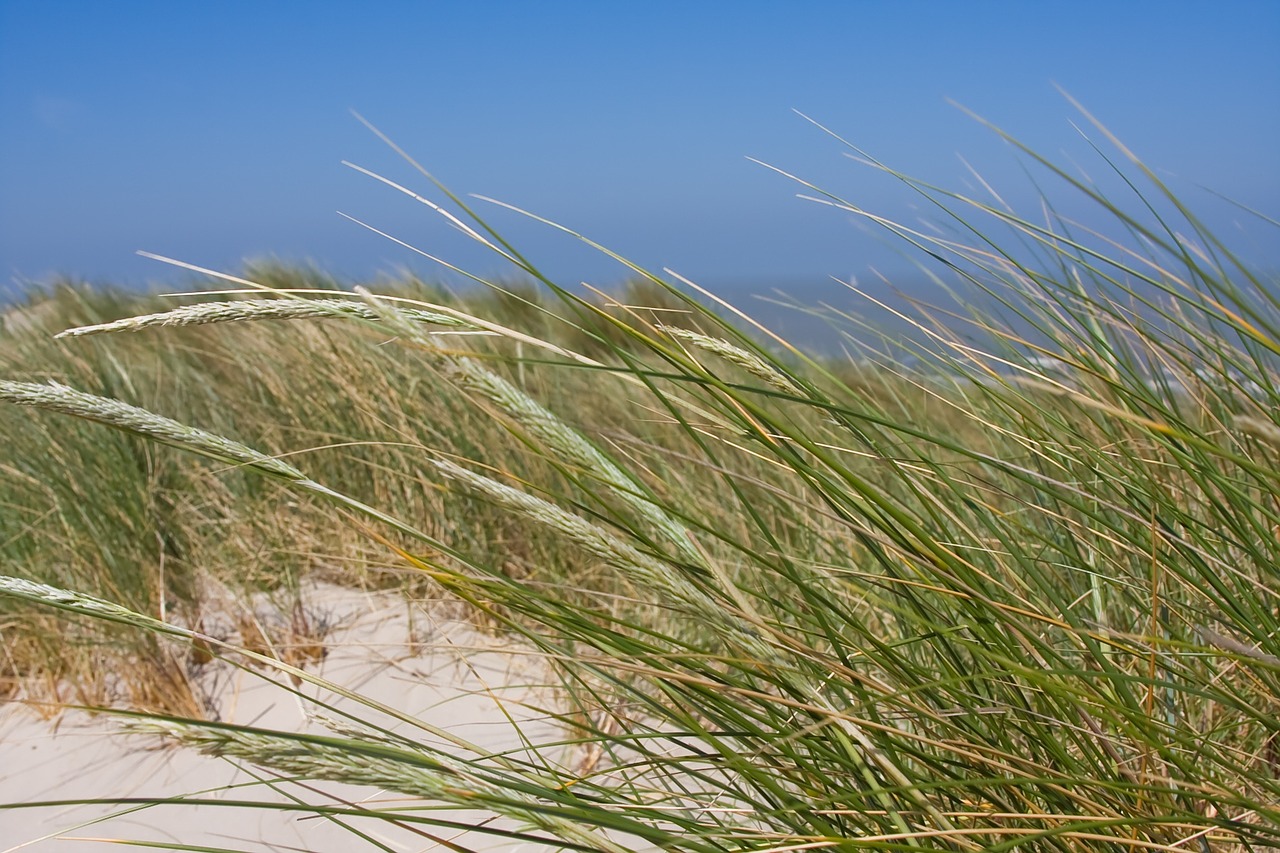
454	678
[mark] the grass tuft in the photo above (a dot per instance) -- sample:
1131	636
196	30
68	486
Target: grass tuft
1016	592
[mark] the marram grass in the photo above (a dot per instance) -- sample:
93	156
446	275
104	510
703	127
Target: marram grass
1022	595
256	309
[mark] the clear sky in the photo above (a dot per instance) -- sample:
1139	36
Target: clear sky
213	132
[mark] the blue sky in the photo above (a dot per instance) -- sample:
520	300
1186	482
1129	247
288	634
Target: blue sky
213	132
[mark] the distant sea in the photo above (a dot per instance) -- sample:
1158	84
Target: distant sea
831	319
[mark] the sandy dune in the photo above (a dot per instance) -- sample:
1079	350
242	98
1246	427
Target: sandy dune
453	678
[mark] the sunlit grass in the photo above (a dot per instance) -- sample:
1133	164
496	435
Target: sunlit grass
1018	594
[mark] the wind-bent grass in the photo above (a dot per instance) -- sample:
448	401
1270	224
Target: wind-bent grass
801	614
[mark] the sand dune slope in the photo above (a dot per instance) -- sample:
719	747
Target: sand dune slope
452	677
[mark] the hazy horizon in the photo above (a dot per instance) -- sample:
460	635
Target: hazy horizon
215	135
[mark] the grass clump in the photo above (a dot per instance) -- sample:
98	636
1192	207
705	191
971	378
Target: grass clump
789	610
